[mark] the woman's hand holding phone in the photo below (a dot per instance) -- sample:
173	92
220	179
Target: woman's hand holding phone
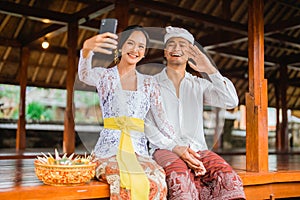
105	42
102	43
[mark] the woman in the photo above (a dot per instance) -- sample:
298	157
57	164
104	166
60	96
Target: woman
125	98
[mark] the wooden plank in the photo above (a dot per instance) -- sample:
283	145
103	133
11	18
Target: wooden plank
94	189
18	181
254	178
256	99
272	191
271	185
21	131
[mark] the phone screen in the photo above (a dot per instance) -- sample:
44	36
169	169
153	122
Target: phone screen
108	25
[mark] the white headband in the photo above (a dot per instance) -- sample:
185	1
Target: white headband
178	32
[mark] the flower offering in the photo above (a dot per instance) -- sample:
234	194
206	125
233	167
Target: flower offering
65	170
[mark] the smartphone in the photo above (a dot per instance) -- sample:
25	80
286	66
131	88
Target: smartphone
108	25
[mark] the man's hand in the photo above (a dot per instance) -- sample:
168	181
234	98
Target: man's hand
202	63
191	158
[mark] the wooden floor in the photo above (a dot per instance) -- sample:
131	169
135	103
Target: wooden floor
281	182
277	162
236	158
18	175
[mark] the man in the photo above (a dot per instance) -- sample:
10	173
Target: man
183	98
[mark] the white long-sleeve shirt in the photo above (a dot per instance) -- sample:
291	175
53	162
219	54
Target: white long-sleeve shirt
186	112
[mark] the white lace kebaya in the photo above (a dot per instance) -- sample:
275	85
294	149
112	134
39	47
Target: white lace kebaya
116	102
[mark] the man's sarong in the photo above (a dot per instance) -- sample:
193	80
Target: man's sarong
219	182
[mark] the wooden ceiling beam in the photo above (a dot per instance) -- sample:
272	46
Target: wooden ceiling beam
9	42
39	14
84	16
92	2
235	70
92	11
242	55
284	39
271	34
43	33
32	66
291	23
234	35
214	41
286	3
220	39
42	84
174	11
294	82
290	59
32	13
59	19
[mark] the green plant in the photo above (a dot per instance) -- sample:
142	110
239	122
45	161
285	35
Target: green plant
37	111
34	111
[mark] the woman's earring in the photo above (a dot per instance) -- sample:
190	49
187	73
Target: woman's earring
116	57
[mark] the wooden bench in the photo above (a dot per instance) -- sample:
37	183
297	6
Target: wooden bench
18	181
92	190
271	185
282	180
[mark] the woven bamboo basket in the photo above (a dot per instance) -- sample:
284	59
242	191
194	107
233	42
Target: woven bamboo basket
62	175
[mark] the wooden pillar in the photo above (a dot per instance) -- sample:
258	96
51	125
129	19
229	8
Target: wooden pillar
21	130
219	139
122	14
283	143
69	125
256	99
278	121
217	133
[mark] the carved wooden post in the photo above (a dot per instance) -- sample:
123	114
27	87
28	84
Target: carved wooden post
256	99
69	125
21	130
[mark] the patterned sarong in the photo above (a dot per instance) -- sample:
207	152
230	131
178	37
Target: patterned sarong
219	182
107	170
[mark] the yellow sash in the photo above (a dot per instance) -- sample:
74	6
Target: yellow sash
132	174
